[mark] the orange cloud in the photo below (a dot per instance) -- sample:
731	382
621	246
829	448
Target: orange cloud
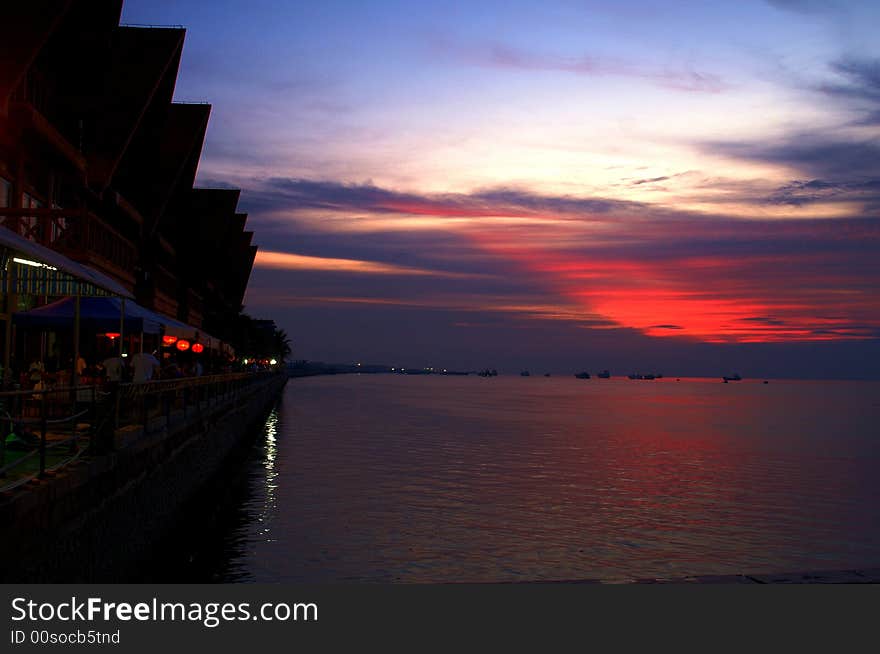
288	261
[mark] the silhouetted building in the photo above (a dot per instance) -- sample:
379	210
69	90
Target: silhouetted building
98	164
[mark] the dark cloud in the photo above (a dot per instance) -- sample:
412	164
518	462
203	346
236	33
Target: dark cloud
863	76
649	232
277	194
857	88
799	193
565	258
763	320
817	155
282	193
838	169
840	165
651	180
868	119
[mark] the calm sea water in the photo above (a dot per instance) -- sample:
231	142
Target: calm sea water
438	479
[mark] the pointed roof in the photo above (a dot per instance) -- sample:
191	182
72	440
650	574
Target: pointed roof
209	213
34	21
142	70
170	168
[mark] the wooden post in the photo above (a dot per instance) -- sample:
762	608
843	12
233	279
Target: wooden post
121	325
43	435
11	303
76	336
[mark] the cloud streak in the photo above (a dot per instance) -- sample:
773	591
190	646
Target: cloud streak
291	261
606	262
504	56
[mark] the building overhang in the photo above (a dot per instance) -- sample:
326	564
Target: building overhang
38	265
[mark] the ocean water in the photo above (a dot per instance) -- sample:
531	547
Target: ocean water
361	478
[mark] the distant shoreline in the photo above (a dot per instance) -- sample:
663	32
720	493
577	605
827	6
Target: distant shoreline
510	375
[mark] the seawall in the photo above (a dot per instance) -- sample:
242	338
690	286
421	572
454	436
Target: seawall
100	518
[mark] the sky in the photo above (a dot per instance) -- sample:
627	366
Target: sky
677	187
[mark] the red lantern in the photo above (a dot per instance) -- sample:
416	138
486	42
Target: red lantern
198	348
182	345
169	340
112	335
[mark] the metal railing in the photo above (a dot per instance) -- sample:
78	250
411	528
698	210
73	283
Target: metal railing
156	404
44	430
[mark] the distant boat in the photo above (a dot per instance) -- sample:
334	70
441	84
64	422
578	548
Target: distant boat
641	376
547	374
604	375
583	375
733	377
525	373
488	373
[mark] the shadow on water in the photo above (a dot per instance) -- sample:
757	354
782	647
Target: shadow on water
208	535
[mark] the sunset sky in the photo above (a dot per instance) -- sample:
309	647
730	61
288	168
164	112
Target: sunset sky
691	188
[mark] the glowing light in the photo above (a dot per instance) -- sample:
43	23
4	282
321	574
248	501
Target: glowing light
183	345
273	362
35	264
169	340
198	348
112	335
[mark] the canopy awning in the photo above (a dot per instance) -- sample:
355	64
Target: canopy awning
102	314
43	271
180	329
98	314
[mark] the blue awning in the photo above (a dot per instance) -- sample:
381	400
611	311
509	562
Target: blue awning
99	314
102	314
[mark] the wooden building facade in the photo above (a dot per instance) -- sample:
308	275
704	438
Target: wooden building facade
98	163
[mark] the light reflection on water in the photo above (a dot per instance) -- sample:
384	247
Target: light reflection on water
271	474
433	479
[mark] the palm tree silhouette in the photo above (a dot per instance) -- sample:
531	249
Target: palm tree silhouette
282	344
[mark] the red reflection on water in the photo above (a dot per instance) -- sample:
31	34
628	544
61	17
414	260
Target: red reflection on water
467	479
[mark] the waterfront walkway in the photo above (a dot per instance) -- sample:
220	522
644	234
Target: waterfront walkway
43	431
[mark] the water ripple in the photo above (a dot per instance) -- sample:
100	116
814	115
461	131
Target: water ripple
434	479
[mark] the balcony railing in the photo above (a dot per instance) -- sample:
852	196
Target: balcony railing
80	235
